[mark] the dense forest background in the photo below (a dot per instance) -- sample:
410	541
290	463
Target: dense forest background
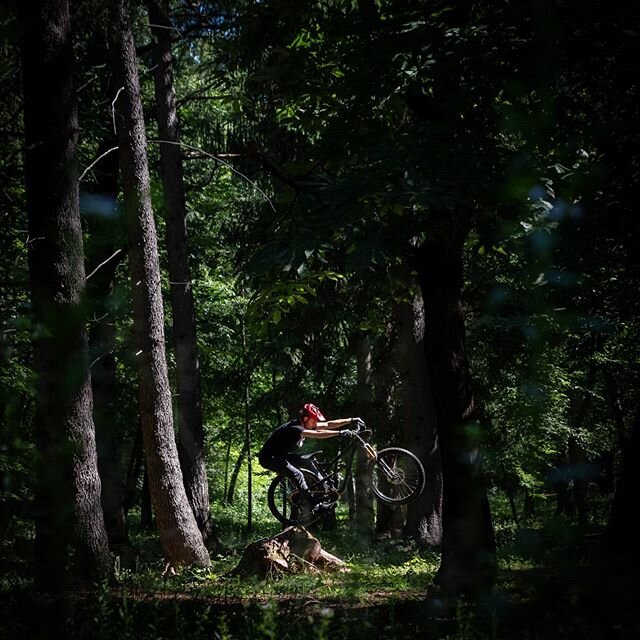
420	213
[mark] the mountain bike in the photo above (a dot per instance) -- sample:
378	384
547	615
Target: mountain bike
397	475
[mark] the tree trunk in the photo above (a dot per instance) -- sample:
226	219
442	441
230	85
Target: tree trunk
614	403
133	471
424	516
191	436
389	520
364	516
468	545
621	534
146	510
71	541
100	210
574	471
181	540
246	369
235	473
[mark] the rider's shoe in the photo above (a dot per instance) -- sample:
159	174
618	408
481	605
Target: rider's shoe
321	507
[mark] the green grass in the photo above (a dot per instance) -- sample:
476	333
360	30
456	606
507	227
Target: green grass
549	585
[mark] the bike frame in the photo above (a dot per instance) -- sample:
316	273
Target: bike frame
329	470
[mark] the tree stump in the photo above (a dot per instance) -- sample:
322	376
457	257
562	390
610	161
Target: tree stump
293	550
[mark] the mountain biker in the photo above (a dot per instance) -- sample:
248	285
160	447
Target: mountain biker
276	453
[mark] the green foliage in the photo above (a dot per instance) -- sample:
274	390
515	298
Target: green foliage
339	129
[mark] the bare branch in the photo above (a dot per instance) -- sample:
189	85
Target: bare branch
106	153
226	164
103	263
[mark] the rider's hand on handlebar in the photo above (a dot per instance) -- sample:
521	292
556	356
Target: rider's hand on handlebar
347	433
357	423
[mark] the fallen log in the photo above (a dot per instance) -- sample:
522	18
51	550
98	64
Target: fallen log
293	550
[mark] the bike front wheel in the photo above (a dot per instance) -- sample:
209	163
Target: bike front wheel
398	476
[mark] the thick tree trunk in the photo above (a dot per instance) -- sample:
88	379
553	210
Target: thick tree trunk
424	516
191	436
71	540
468	545
181	540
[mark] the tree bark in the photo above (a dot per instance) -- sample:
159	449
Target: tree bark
621	534
235	473
179	534
71	541
468	546
364	516
389	520
191	436
424	516
292	550
100	210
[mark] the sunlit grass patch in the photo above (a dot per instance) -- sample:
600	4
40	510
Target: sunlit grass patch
367	576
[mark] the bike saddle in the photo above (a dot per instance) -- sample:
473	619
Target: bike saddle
306	456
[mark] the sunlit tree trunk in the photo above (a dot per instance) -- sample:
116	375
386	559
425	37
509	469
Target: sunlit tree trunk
191	436
71	540
468	546
179	534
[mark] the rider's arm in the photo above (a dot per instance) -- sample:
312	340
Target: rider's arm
335	424
319	433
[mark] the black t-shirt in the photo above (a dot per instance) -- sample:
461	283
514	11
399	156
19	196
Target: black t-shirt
284	439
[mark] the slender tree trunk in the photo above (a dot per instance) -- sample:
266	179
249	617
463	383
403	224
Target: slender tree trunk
226	468
100	210
424	516
364	515
247	425
146	510
528	507
181	540
133	471
71	540
468	546
236	473
621	538
191	436
614	403
572	487
512	505
108	435
389	520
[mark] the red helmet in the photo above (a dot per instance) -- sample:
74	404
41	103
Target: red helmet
313	411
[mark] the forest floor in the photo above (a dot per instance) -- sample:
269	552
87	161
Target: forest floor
547	586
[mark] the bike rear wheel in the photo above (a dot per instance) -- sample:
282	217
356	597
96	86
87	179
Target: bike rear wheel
398	476
285	502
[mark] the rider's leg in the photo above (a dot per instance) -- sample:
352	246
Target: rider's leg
284	467
298	477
